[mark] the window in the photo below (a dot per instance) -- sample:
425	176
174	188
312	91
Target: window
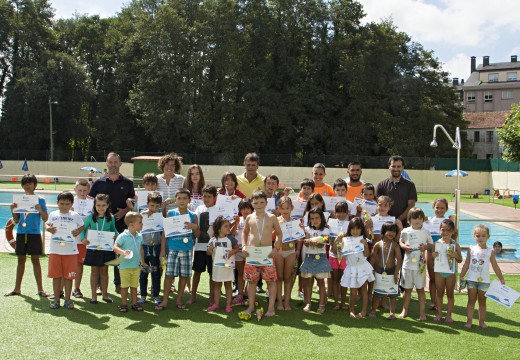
488	96
476	136
511	76
471	97
507	94
489	136
493	77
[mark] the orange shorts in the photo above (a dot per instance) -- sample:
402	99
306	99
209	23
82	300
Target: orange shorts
82	253
63	266
252	273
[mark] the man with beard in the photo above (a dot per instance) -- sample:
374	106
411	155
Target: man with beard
354	183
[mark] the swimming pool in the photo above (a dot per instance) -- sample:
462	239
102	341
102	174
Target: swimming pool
6	197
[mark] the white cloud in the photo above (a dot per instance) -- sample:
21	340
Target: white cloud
458	66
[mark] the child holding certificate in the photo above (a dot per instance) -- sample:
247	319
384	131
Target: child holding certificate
65	226
101	220
315	264
358	272
386	260
337	261
222	248
477	263
229	184
244	209
445	281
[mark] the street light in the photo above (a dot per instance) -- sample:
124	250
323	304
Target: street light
50	126
456	145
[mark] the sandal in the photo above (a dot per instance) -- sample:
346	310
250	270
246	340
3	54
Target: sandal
93	302
307	308
108	300
391	317
55	304
437	319
159	307
77	293
181	306
69	304
448	320
137	307
42	293
321	309
123	308
12	293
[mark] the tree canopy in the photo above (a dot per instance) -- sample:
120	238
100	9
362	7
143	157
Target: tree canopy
509	135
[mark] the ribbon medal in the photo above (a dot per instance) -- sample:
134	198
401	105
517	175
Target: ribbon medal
24	224
185	240
291	245
317	257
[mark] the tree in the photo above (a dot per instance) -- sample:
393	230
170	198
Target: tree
509	135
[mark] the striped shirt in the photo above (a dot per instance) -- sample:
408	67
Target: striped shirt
169	191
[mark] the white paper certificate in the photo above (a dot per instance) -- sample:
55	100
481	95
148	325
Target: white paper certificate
83	207
291	231
378	222
442	262
64	231
153	223
369	206
174	226
299	209
352	245
337	226
142	197
271	205
195	203
331	201
227	201
100	240
216	211
221	258
433	225
258	255
385	285
502	294
25	203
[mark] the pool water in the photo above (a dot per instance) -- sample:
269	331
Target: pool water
6	197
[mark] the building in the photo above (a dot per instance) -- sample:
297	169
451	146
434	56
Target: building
482	132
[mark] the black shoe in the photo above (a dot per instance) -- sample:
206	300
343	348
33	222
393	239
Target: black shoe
62	295
260	290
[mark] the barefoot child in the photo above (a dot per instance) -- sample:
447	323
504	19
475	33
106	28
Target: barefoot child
477	263
446	281
244	209
338	262
414	241
257	232
222	274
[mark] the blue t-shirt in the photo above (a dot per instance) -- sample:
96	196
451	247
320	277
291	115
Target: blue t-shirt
177	242
127	241
32	220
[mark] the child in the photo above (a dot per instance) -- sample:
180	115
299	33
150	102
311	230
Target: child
151	183
477	263
446	281
28	237
194	182
414	241
82	189
201	260
358	273
229	185
257	232
63	255
222	229
386	260
130	244
180	249
101	219
315	264
245	209
286	258
151	250
384	204
497	246
340	190
337	262
368	192
306	189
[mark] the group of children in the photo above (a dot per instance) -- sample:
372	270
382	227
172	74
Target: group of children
387	254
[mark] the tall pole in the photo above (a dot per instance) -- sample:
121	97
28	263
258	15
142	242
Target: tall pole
50	127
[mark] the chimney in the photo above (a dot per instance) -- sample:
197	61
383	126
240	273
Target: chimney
485	61
455	81
462	81
473	64
513	58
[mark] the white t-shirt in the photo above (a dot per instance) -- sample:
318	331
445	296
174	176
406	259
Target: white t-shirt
414	238
70	220
315	233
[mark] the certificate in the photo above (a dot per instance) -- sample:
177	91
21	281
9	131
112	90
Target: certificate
64	231
502	294
378	222
433	225
271	205
385	285
222	259
174	226
442	262
195	203
337	227
227	201
84	207
369	206
142	198
352	245
100	240
258	255
152	223
299	209
216	211
25	203
331	201
291	231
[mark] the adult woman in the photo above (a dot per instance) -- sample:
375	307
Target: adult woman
170	181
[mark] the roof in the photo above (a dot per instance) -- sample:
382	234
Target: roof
149	158
499	66
486	120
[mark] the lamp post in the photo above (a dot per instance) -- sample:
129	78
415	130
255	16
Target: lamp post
50	126
456	145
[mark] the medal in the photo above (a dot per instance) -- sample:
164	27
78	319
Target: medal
317	257
185	240
99	247
24	224
62	244
291	245
383	273
479	279
226	264
414	260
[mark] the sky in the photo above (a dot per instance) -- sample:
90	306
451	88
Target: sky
454	29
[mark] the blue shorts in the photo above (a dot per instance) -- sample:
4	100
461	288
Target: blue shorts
482	286
179	263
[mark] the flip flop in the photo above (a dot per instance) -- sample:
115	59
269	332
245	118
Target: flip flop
43	293
123	308
12	293
181	306
159	307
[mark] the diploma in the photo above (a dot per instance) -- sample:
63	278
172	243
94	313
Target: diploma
271	205
258	255
502	294
153	223
291	231
433	225
335	228
442	262
174	226
25	203
100	240
64	231
227	201
298	209
385	285
84	207
222	258
195	203
378	222
352	245
216	211
142	198
369	206
331	201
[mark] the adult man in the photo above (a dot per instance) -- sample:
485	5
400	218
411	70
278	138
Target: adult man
251	180
354	183
119	189
402	191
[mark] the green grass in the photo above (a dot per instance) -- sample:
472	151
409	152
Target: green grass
30	329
